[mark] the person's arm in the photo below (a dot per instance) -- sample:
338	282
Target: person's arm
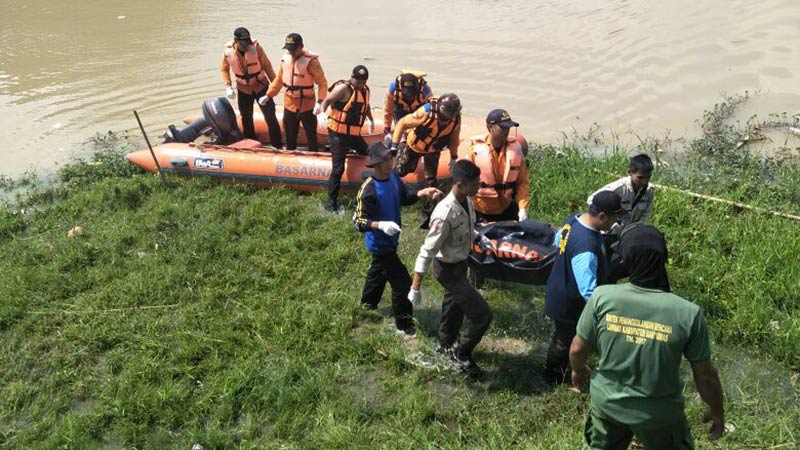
366	206
266	64
584	269
339	93
276	84
709	387
388	108
523	188
613	186
408	122
455	140
579	352
698	353
648	208
225	71
315	70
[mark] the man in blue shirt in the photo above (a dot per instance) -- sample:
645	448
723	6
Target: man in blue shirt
580	267
377	215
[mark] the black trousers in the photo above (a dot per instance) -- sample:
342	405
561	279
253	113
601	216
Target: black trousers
291	125
460	299
388	267
340	143
510	213
558	353
246	110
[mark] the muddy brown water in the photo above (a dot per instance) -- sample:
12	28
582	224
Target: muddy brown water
71	69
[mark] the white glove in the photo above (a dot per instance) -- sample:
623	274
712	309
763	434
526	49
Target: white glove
414	296
388	227
264	100
317	108
523	215
230	93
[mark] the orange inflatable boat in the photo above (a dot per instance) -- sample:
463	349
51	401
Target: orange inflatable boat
246	161
249	161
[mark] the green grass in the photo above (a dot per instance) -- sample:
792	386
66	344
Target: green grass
229	316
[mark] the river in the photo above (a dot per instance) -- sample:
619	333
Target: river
69	70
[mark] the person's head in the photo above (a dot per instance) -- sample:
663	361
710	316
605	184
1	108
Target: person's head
466	178
242	37
498	122
644	250
640	169
409	86
293	44
449	106
381	158
359	76
606	207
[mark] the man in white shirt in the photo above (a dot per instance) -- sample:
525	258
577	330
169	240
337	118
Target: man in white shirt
634	189
452	231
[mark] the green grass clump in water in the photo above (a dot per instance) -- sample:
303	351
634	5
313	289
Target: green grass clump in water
228	316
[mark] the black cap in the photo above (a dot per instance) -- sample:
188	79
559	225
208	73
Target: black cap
242	36
500	117
608	202
378	153
409	83
360	73
293	40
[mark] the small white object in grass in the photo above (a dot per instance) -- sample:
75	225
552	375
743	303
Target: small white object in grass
121	17
729	427
75	231
775	325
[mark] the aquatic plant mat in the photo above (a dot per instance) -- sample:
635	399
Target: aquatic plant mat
141	316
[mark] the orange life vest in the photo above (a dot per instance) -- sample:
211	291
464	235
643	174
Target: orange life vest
348	117
400	104
432	136
296	79
252	74
490	187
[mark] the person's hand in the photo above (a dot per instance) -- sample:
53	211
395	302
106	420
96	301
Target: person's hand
522	215
580	378
388	227
317	108
230	93
263	101
431	193
414	296
717	425
371	127
484	241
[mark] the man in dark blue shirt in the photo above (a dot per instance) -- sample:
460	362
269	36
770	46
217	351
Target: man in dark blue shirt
377	215
580	267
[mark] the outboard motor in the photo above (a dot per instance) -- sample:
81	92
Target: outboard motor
218	119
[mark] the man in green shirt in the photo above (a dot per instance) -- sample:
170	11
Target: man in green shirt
641	332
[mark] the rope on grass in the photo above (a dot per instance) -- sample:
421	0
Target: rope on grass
93	311
717	199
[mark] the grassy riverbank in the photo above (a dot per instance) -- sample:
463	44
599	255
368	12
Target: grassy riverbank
228	316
